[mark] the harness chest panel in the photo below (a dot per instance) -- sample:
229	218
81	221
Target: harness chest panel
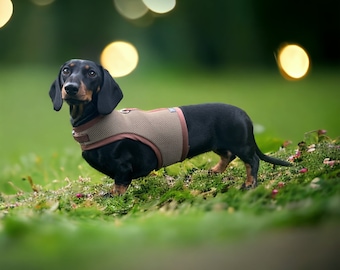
164	130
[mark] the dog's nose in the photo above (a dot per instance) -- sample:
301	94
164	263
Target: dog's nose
71	88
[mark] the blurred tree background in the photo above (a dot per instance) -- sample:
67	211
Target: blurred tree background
215	33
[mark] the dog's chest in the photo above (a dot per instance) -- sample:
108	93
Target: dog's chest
164	130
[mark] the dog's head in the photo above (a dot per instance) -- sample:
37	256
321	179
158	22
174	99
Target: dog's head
81	82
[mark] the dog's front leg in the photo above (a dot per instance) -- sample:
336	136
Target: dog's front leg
122	179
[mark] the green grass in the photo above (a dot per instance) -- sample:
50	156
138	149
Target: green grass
180	212
53	214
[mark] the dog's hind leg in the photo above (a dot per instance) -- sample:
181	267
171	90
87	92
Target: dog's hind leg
252	168
226	158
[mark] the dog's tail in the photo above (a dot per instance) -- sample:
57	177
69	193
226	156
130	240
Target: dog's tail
271	160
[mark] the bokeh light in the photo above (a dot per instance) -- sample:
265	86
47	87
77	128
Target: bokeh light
42	2
120	58
6	11
293	61
160	6
131	9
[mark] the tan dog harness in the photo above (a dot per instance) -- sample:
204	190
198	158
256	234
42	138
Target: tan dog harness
164	130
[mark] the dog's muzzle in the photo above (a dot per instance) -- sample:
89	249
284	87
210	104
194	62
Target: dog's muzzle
71	88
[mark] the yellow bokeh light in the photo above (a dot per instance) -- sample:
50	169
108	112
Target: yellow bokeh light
120	58
42	2
293	61
160	6
131	9
6	11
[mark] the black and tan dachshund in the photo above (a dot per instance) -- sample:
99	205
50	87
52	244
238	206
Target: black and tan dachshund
149	140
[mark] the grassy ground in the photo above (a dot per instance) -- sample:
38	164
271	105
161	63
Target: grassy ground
52	214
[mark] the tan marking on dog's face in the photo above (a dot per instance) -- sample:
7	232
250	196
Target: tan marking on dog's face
85	94
63	93
88	95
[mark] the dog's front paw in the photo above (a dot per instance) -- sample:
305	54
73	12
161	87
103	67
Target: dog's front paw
118	190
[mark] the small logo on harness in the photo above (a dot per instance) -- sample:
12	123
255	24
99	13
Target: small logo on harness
172	110
125	111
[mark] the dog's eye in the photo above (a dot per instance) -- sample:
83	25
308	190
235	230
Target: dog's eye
92	73
66	71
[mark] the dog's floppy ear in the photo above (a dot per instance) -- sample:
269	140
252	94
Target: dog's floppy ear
109	94
55	94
